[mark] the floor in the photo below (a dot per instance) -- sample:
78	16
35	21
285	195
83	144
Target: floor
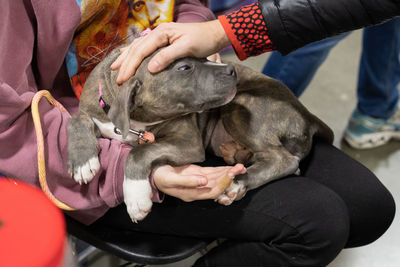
331	96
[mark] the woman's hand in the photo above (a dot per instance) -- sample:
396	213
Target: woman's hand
192	182
181	40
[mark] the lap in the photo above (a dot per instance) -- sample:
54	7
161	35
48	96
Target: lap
331	200
292	218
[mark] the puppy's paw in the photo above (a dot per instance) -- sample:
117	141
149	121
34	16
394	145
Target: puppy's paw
223	199
137	195
235	191
85	172
233	152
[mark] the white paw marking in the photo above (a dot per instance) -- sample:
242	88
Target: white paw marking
224	200
137	196
86	172
235	191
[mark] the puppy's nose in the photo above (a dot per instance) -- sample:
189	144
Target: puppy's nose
230	70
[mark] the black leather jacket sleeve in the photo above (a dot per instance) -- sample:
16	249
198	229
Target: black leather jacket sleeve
294	23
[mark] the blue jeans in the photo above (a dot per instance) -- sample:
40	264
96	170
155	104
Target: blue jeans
379	72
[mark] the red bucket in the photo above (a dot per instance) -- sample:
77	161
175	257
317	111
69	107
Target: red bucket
32	228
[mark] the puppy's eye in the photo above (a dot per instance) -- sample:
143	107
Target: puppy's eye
184	67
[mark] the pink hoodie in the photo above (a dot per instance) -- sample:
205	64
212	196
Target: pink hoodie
34	38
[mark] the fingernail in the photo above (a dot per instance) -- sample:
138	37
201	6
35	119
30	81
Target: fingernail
154	66
203	181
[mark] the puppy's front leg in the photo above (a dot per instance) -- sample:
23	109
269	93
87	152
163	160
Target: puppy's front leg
143	158
273	163
83	161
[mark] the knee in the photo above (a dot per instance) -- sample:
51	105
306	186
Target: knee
371	220
311	224
325	229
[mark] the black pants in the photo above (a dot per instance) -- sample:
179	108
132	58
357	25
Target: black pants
301	220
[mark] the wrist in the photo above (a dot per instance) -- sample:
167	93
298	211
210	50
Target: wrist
219	34
247	31
157	194
155	178
158	176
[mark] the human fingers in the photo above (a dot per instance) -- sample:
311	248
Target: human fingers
191	194
189	39
117	63
192	182
122	49
131	59
139	49
168	177
219	178
219	181
236	170
167	55
213	192
232	171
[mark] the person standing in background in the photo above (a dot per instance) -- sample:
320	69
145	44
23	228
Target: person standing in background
376	119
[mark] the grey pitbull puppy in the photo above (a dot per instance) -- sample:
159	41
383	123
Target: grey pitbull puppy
264	126
164	103
269	130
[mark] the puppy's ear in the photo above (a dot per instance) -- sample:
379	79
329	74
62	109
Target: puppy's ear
120	110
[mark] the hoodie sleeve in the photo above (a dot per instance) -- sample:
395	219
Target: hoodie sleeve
288	25
35	37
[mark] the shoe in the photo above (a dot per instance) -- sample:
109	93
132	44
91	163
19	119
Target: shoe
364	132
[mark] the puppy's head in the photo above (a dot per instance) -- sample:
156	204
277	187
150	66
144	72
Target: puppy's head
187	85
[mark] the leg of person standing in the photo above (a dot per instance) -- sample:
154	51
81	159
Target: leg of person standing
297	69
377	117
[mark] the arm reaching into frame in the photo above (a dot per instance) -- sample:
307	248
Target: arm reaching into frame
254	29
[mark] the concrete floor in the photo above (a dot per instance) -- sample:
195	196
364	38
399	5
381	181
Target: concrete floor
331	96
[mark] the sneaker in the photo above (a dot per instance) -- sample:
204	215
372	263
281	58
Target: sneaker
364	131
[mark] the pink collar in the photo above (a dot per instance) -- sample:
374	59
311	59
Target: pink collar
102	103
143	136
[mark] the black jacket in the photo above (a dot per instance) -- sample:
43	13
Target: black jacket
294	23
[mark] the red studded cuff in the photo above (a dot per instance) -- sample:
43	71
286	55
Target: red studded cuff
247	31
